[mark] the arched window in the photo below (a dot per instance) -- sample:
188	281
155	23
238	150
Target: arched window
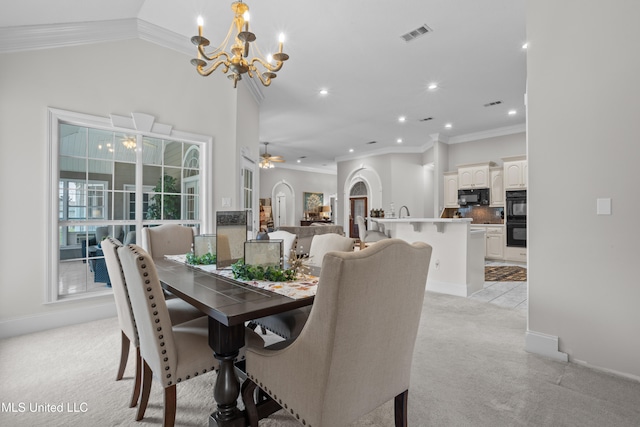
358	189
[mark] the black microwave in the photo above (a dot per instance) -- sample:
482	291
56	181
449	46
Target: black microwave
475	197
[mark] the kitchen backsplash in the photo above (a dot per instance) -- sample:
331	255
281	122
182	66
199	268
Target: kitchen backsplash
479	214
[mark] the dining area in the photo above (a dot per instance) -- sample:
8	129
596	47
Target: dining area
327	370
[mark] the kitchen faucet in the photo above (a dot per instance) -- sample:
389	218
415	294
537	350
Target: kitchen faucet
400	211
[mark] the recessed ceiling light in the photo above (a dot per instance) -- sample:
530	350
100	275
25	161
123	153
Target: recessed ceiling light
448	125
433	86
298	160
402	119
351	150
324	92
526	45
399	140
512	112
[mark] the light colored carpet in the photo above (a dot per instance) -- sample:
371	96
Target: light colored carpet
469	369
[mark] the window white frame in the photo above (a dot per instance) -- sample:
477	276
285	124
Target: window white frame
138	124
248	194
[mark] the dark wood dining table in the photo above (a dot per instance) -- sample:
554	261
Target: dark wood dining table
229	304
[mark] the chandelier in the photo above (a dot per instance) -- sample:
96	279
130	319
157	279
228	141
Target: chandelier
266	164
238	59
129	142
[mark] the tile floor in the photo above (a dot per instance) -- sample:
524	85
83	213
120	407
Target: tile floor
505	294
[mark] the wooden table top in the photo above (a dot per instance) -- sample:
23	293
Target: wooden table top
229	301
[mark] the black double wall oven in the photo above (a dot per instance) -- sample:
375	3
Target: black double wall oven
516	218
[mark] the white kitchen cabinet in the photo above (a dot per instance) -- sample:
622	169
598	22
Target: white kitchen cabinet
515	254
473	176
497	186
515	173
451	190
495	243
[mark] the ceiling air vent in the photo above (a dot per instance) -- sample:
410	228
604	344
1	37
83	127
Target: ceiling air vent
371	142
426	119
414	34
491	104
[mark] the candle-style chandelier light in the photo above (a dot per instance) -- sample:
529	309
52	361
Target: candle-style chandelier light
238	59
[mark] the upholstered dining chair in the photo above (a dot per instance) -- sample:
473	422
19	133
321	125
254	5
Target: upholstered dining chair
288	242
323	243
368	236
289	324
167	239
179	312
355	351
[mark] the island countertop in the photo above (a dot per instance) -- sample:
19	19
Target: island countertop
457	260
411	219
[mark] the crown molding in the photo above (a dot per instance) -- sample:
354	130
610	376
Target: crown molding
330	170
35	37
383	151
165	38
492	133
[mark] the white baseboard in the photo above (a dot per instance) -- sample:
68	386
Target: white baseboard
457	289
544	345
41	322
608	371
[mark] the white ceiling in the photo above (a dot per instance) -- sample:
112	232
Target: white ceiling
354	50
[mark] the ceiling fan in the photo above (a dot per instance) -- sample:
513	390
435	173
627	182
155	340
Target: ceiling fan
267	160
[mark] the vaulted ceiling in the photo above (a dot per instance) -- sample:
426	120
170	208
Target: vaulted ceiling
353	50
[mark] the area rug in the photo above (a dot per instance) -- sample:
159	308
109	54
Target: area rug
505	273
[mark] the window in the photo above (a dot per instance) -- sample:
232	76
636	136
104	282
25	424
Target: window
248	196
110	178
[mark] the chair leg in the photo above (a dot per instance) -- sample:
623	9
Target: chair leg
124	355
146	388
247	391
169	406
138	380
400	408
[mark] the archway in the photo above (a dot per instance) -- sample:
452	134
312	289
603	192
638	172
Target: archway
373	184
283	201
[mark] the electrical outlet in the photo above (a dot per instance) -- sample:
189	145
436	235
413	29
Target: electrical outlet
437	264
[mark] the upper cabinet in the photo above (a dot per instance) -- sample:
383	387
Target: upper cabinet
515	173
474	176
451	190
497	186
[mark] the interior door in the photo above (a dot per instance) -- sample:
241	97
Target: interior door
280	210
357	206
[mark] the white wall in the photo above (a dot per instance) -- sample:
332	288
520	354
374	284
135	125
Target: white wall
486	150
583	129
402	179
301	181
119	78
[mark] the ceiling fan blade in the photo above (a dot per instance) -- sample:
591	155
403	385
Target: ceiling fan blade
277	160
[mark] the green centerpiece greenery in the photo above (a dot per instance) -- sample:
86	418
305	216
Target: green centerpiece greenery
205	259
244	271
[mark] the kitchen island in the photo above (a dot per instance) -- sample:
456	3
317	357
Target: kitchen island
457	260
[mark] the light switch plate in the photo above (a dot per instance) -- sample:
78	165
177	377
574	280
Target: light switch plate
226	202
603	206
